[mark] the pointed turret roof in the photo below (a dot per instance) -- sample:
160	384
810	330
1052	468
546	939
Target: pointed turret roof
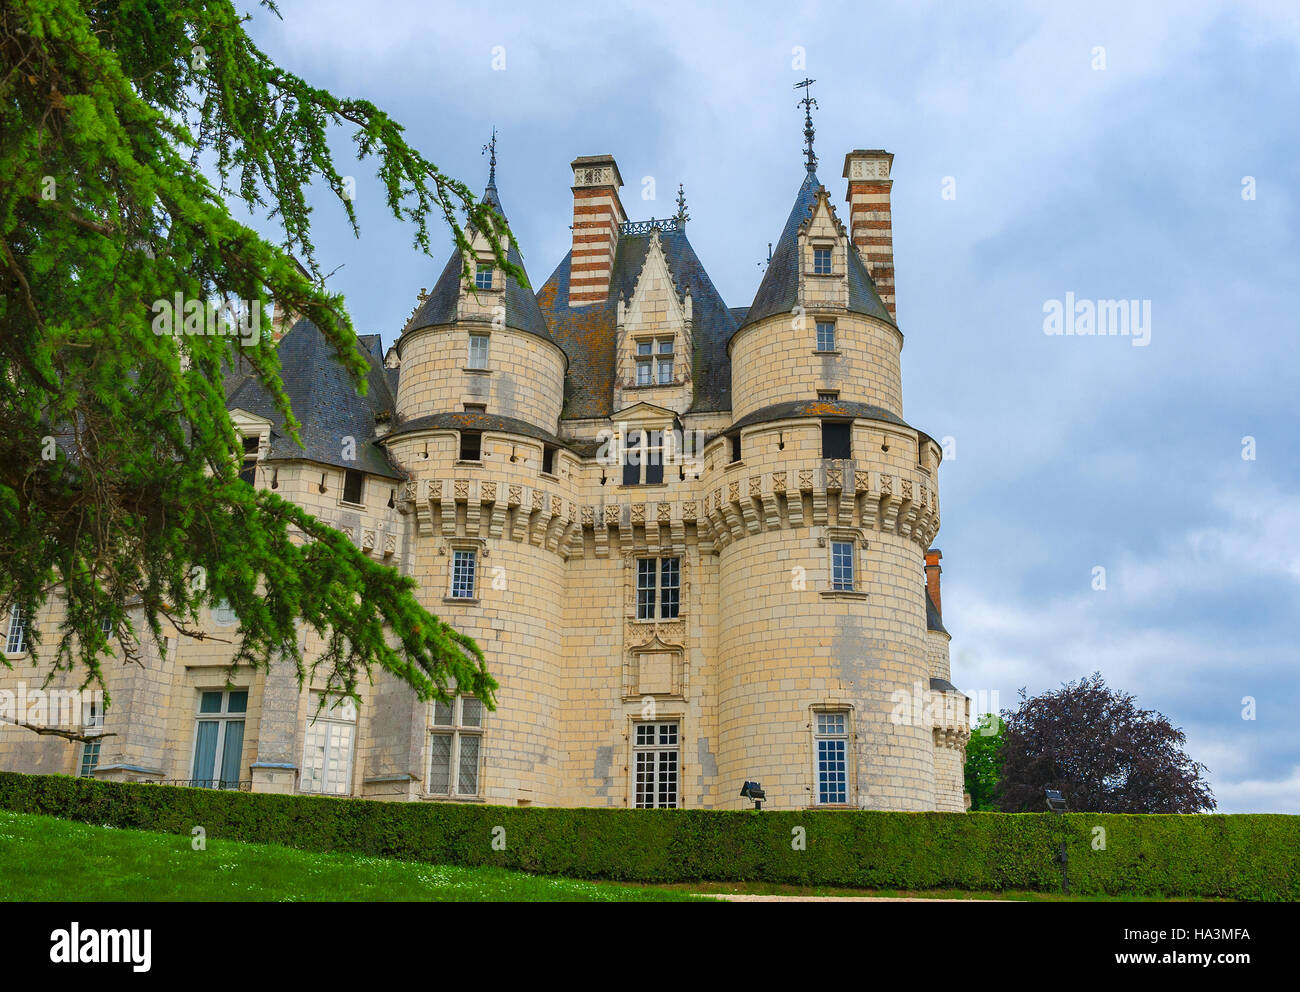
779	290
522	311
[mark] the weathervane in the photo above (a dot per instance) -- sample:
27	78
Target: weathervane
492	147
681	216
808	131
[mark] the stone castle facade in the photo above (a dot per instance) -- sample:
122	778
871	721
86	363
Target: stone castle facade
693	540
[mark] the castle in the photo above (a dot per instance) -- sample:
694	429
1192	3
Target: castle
693	540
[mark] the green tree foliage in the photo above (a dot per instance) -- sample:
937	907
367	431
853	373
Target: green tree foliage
984	762
118	461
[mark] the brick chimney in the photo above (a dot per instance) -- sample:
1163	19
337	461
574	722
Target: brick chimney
597	217
932	573
869	216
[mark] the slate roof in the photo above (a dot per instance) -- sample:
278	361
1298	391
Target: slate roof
779	290
522	311
475	421
587	333
824	409
932	619
325	401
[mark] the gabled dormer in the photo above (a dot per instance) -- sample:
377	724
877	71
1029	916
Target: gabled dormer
653	337
823	247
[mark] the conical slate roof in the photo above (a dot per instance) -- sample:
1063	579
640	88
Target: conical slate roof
779	290
522	311
325	401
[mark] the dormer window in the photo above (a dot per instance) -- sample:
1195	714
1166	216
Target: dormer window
654	362
248	467
821	261
483	276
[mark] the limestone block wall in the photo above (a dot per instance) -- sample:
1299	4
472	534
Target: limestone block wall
776	361
524	378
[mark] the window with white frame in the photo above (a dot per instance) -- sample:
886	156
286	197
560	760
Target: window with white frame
664	362
655	765
825	335
16	635
93	721
455	747
219	739
248	465
654	362
483	276
658	588
478	351
643	458
464	573
831	754
328	745
821	261
843	576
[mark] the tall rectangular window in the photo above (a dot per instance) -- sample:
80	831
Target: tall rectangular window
478	351
837	440
248	466
665	362
842	577
645	363
455	747
643	458
329	741
831	739
825	335
93	720
464	565
658	588
655	751
16	635
483	276
821	261
353	485
219	739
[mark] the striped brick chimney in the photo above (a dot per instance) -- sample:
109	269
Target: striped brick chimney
870	220
597	217
932	573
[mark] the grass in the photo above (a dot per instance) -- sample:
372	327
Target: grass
47	859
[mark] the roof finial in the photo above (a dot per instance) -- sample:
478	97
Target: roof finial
808	130
492	168
681	216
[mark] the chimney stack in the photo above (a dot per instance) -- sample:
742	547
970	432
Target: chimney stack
932	573
869	217
597	217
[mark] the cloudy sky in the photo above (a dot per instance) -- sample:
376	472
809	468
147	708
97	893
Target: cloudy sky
1107	150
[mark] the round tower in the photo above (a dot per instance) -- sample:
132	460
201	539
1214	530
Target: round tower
489	498
827	501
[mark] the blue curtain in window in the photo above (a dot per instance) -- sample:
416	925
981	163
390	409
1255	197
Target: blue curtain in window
205	754
230	754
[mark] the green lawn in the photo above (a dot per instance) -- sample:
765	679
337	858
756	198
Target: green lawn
43	858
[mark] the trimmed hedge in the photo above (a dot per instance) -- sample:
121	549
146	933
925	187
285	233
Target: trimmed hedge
1245	856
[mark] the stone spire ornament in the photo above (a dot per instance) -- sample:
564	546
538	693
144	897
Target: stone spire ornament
491	147
681	216
808	130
